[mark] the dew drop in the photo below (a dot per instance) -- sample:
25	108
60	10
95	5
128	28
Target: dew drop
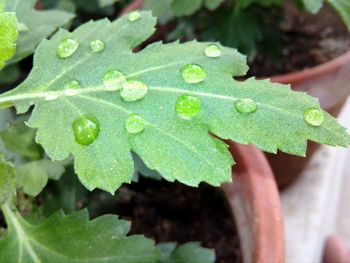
212	51
134	15
134	124
314	116
86	129
188	106
67	47
193	73
71	87
113	78
133	90
245	105
97	46
51	96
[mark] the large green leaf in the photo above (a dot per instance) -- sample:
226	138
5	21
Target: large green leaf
73	238
177	148
8	35
38	25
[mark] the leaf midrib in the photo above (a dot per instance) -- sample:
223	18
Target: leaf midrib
127	112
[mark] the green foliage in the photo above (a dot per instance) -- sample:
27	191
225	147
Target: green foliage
177	148
8	35
19	139
167	9
73	238
38	25
33	176
7	181
343	8
190	252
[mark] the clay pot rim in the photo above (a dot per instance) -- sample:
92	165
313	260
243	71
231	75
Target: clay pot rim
255	184
312	72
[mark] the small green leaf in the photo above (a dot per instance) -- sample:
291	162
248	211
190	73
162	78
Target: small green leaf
212	4
313	6
7	181
343	9
73	238
8	36
19	139
39	24
185	7
190	252
104	3
33	176
90	123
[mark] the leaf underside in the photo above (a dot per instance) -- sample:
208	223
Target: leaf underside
73	238
178	149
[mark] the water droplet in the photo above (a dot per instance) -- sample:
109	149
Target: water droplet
86	129
67	47
314	116
134	15
135	123
188	106
97	46
51	96
193	73
112	78
133	90
71	87
245	105
212	51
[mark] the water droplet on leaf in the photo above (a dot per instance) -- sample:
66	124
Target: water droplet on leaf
67	47
51	96
212	51
134	15
135	123
314	116
86	129
71	87
245	105
133	90
97	46
113	78
193	73
188	106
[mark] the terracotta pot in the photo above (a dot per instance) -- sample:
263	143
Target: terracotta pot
255	204
329	82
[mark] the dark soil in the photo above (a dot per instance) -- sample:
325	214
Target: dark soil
308	40
174	212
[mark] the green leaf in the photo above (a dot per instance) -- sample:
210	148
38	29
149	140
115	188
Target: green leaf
189	252
185	7
179	149
73	238
19	139
213	4
40	24
7	181
313	6
104	3
343	8
33	176
8	36
161	9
